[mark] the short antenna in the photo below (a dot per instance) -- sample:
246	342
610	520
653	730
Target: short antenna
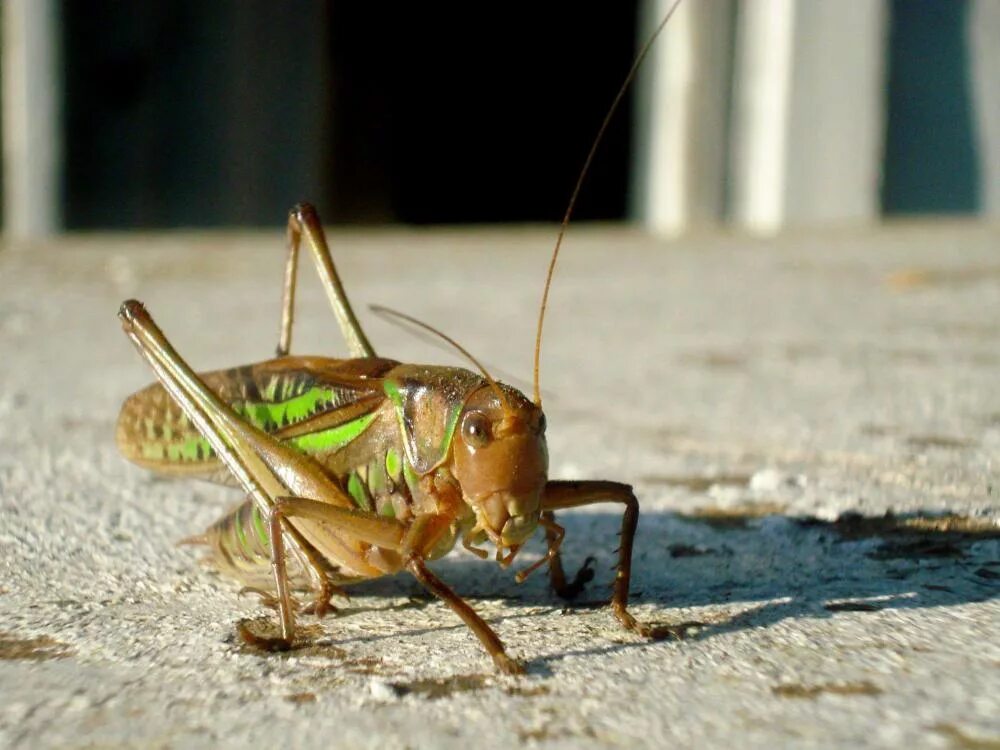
576	191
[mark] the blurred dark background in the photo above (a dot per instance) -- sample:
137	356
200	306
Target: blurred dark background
227	112
930	161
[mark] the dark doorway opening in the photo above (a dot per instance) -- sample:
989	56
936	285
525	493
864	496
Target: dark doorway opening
931	164
206	114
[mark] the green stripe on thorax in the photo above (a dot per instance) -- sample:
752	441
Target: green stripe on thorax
427	414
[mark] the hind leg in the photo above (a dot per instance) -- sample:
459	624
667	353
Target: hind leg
266	469
304	221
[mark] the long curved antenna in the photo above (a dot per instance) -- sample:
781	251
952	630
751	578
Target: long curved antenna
579	183
520	383
388	312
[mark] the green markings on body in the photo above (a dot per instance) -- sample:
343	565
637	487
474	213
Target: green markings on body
270	416
264	416
334	438
449	430
358	492
377	477
193	449
391	390
241	534
393	465
152	451
259	527
412	480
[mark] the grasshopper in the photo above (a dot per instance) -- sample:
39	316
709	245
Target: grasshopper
363	467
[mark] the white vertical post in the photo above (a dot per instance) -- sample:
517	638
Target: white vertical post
837	113
681	124
984	68
809	112
763	81
31	130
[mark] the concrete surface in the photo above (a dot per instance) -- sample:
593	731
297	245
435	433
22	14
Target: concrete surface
771	401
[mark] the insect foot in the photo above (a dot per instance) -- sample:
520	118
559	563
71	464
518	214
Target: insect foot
507	665
570	591
655	632
320	607
261	642
267	599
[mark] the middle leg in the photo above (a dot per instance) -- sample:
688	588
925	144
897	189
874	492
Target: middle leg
563	494
490	640
564	589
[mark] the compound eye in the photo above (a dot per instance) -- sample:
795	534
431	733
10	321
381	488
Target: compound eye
476	429
541	424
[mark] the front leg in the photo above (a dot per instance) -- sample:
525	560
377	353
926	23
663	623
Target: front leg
564	589
490	640
564	494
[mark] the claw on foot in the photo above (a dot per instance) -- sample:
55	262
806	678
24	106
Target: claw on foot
320	606
262	642
655	632
679	631
583	576
267	599
508	665
323	603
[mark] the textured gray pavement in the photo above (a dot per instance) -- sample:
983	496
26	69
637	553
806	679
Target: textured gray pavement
771	402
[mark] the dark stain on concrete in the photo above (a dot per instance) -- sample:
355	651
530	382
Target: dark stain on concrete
39	648
913	537
878	430
962	740
699	484
916	549
687	550
906	279
260	636
852	607
736	517
433	688
944	442
715	360
862	687
854	526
